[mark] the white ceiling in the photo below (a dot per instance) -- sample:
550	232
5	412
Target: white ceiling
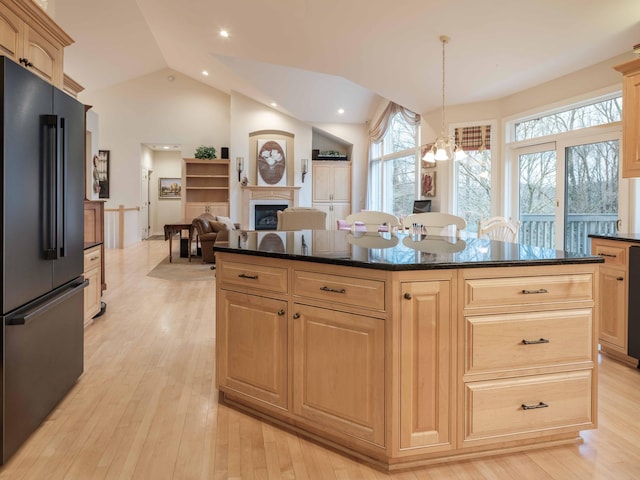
312	57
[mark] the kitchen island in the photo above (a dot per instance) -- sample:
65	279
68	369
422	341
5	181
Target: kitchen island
408	350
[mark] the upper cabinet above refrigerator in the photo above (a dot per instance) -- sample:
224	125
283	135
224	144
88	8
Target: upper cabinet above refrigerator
31	38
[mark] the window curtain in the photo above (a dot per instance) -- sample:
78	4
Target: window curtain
474	138
379	130
377	133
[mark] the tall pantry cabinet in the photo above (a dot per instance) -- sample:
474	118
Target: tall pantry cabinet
630	118
332	189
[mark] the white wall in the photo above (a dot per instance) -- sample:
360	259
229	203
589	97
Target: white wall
248	116
153	109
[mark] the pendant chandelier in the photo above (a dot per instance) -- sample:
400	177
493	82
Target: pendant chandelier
444	147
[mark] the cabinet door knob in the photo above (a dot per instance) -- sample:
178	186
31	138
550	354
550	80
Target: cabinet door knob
408	296
296	316
281	312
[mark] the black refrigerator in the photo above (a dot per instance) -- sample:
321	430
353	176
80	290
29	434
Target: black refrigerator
42	161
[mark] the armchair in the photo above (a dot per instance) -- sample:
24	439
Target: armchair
207	227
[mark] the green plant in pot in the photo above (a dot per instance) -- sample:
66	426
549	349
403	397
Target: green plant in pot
205	152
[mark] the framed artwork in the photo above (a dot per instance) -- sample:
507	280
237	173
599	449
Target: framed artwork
272	162
169	187
101	173
428	186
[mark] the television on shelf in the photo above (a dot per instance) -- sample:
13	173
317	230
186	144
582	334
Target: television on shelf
421	206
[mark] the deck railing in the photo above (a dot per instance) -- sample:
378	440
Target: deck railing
539	230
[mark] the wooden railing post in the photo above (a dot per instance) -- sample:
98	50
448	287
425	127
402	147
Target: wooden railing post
121	226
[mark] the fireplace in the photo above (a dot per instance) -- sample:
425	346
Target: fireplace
265	216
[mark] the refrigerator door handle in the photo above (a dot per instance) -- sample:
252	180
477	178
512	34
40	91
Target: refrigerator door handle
62	187
23	317
50	195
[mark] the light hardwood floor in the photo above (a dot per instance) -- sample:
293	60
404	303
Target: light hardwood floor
146	406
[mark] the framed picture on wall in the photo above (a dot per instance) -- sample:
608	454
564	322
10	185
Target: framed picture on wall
272	161
169	187
429	184
101	173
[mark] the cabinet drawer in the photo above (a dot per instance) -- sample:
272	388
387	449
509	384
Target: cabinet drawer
91	258
614	255
528	340
273	279
341	289
504	291
528	405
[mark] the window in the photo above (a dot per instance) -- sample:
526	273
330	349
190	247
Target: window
473	175
591	115
392	166
569	186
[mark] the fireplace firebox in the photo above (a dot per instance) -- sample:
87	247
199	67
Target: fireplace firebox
266	217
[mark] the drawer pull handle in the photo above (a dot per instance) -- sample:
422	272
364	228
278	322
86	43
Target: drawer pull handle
296	316
619	278
93	258
333	290
535	342
281	312
540	290
250	277
608	255
408	296
533	407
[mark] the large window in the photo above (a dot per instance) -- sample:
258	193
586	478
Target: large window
568	175
473	175
392	167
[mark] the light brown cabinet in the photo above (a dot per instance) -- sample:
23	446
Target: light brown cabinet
426	373
410	367
205	187
332	190
529	354
630	118
93	291
30	37
614	295
338	371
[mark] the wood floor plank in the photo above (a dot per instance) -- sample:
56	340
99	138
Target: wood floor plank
146	406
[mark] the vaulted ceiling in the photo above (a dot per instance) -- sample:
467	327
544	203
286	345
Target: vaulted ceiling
312	57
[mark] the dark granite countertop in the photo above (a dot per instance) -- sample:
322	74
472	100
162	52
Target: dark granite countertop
399	251
622	237
88	245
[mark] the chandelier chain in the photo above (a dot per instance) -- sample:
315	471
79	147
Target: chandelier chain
444	40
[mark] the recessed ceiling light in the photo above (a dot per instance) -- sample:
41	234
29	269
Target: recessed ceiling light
224	33
166	147
205	73
274	104
341	111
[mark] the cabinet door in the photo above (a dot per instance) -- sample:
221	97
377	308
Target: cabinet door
613	308
192	210
426	365
631	125
338	368
11	28
45	57
322	182
252	342
92	294
342	183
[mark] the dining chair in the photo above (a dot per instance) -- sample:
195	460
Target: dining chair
499	228
436	222
301	218
372	221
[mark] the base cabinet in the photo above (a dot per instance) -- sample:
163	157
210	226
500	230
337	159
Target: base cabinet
406	368
252	358
93	291
338	371
426	366
614	288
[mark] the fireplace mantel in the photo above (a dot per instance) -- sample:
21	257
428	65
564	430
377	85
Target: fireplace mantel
253	193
